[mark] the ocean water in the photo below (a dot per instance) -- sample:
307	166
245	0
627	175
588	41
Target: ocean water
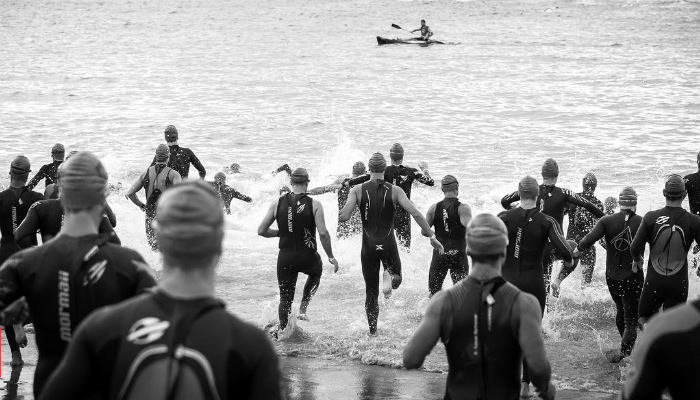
604	86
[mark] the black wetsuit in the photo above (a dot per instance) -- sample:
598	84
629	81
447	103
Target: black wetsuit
180	160
46	216
552	201
692	185
62	288
378	243
624	285
484	360
243	362
298	251
227	193
352	226
402	177
671	289
452	234
581	221
668	357
48	172
164	177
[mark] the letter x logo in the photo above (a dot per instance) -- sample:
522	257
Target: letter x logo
380	247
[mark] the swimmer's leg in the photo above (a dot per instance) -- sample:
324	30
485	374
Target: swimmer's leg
370	272
436	274
287	280
311	286
14	346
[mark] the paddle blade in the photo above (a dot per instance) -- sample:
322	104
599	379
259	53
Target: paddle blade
396	26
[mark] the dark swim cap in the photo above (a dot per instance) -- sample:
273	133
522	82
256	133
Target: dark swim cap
377	163
675	186
171	133
528	188
396	152
235	168
162	153
449	183
58	150
300	176
628	197
20	165
590	180
190	221
359	168
550	169
83	181
487	234
220	177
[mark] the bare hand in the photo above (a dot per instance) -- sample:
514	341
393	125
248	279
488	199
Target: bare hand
335	264
437	245
636	265
556	285
423	165
576	253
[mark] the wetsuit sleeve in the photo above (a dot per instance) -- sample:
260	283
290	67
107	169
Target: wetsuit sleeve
72	379
596	233
508	200
284	167
10	285
556	236
240	196
110	216
356	181
580	201
197	164
266	377
640	240
25	236
427	334
423	177
106	227
37	178
527	320
144	278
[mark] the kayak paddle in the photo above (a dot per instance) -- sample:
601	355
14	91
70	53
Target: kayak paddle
398	27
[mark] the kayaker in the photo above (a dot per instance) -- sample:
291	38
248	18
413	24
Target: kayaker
425	31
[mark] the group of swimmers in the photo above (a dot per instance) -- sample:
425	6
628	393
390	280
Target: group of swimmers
489	320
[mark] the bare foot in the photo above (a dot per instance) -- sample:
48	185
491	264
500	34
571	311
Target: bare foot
20	335
16	359
302	317
524	390
386	284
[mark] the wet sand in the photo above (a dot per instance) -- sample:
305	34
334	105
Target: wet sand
313	378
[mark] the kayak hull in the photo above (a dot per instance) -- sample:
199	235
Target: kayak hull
381	41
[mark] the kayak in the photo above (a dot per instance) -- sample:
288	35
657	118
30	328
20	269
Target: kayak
381	40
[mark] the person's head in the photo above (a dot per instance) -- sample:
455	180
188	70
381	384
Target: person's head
590	182
189	226
550	171
162	154
487	240
20	169
220	178
698	159
234	168
300	179
674	188
171	135
450	186
71	154
528	189
83	182
610	204
627	199
359	169
377	163
58	152
422	22
396	152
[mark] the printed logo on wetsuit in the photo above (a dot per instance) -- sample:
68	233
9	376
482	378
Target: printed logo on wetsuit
301	208
64	305
290	224
451	252
379	247
622	241
147	330
309	239
444	220
95	272
662	220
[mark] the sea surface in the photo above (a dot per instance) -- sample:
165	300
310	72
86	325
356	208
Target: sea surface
604	86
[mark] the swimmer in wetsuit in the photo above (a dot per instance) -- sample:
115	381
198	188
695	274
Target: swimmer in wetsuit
425	32
49	172
117	346
666	283
298	217
487	325
692	185
450	218
226	192
77	272
624	285
399	175
180	158
581	222
552	201
529	234
378	201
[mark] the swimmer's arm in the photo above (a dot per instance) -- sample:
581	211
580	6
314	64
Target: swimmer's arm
25	236
528	321
580	201
508	199
556	236
640	241
594	235
197	164
240	196
9	284
346	212
430	217
696	222
264	229
284	167
357	181
131	194
324	189
424	177
176	177
427	334
401	198
37	178
465	214
110	215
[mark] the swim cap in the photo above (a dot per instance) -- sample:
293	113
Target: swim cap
189	221
162	153
377	163
359	168
58	150
528	188
83	181
396	152
20	165
590	180
71	154
674	186
628	197
235	168
449	183
487	234
550	169
220	177
171	133
300	175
